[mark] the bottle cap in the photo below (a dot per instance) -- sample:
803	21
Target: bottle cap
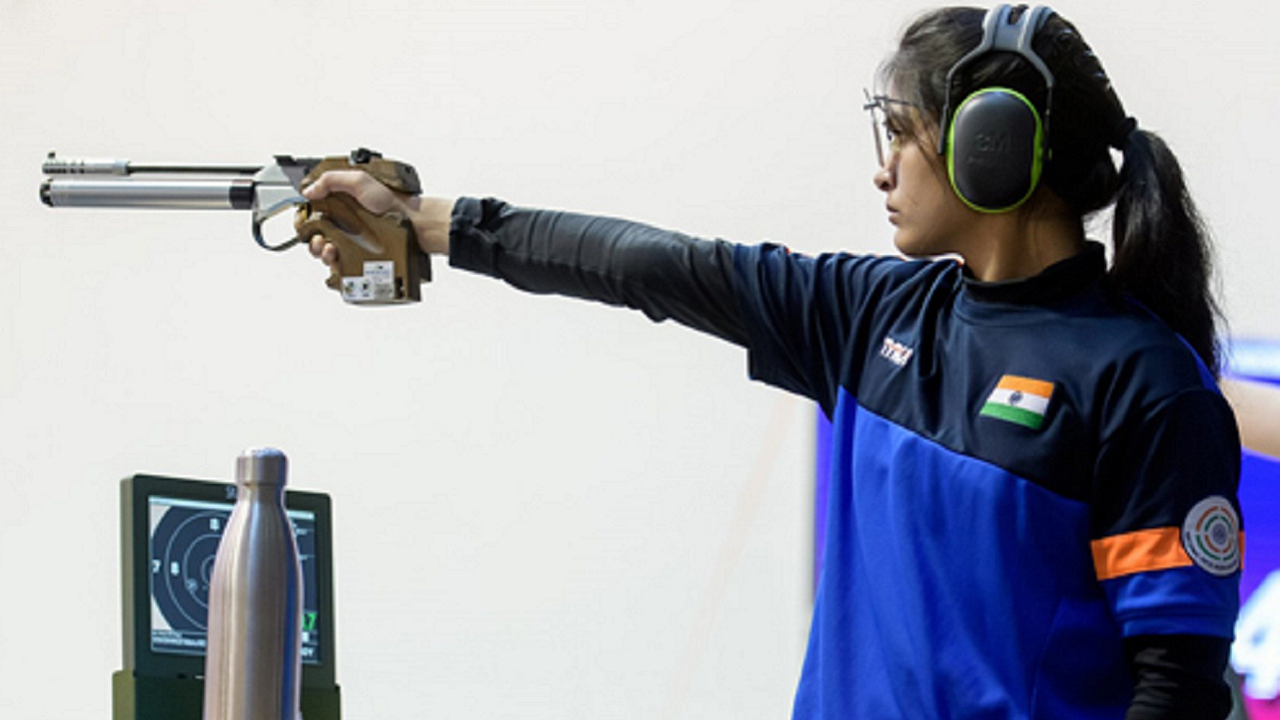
261	466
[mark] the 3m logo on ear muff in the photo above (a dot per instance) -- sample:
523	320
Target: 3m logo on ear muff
996	141
994	156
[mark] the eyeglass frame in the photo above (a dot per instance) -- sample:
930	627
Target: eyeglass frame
877	103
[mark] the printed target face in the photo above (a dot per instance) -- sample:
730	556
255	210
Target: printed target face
184	544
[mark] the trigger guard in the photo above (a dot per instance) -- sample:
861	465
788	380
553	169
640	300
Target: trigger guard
260	217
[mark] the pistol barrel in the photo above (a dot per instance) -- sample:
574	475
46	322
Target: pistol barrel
231	194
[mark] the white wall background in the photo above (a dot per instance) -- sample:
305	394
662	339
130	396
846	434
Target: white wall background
544	509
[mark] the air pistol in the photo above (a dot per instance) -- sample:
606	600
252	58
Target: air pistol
379	260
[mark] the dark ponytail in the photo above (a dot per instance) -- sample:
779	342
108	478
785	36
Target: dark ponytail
1162	250
1162	253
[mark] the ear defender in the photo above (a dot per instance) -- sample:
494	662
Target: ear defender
994	153
996	143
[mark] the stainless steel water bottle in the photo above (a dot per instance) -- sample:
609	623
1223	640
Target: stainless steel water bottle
253	667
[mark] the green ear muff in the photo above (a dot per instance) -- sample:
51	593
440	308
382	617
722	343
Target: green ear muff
996	141
994	156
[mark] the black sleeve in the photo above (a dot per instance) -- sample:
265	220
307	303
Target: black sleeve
1179	677
661	273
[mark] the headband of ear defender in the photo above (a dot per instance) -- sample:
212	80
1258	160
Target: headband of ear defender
996	142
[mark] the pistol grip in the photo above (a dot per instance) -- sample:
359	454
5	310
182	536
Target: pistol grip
379	261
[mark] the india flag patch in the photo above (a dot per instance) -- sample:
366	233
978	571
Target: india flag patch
1019	400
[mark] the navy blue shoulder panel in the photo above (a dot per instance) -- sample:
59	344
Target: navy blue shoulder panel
810	320
910	342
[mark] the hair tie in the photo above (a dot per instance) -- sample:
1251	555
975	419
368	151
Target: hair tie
1120	137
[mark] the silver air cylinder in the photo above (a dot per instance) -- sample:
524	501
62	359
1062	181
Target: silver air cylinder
253	666
184	194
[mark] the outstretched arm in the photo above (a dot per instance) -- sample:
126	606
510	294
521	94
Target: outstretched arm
664	274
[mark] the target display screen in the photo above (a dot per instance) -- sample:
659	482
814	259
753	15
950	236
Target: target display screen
183	539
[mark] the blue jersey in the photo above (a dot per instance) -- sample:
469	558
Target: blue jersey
1023	475
1027	476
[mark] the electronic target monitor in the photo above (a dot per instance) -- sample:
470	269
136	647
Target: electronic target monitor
170	530
183	538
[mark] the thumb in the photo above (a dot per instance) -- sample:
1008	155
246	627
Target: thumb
347	181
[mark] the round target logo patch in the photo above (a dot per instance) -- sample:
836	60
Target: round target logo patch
1211	536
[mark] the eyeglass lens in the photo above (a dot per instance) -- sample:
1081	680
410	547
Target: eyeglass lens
878	131
882	129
